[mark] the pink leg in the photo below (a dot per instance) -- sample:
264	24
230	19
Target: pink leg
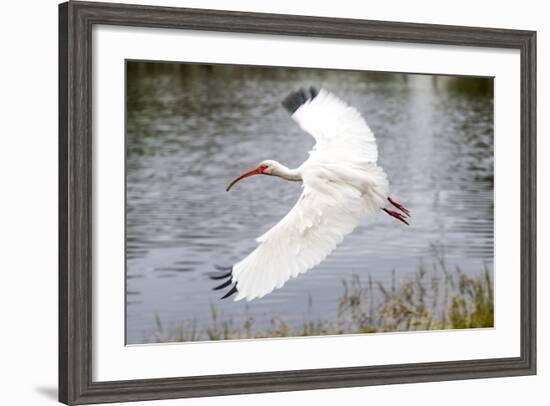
399	206
396	215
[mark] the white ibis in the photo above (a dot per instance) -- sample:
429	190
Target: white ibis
341	184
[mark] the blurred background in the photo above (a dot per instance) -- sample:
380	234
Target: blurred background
191	128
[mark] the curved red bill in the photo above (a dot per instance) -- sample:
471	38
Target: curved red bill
256	171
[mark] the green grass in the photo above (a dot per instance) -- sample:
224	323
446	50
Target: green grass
431	299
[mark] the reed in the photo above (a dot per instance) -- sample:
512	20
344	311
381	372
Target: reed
432	299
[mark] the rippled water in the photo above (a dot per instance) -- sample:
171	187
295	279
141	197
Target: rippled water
191	129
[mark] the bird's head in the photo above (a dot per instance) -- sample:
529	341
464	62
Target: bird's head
267	167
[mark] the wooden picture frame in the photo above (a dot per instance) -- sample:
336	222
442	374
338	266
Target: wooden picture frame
76	20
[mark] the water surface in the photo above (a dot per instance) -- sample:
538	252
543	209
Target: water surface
192	128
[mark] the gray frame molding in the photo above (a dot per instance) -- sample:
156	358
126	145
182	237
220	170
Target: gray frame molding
75	202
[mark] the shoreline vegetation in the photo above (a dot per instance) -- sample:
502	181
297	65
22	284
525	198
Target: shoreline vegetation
437	298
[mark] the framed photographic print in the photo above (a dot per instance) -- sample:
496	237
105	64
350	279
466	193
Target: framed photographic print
257	202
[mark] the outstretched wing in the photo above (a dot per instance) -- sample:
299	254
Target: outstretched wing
308	233
341	182
337	128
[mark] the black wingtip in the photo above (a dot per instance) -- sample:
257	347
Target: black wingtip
314	92
223	268
295	99
218	277
231	292
223	285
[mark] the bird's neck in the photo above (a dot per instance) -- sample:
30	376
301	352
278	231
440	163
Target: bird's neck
287	173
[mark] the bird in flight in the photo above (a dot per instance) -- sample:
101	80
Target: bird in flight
341	184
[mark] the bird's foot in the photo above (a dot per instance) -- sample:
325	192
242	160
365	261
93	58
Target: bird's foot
397	215
399	206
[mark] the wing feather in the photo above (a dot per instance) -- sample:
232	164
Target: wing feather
337	126
299	242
